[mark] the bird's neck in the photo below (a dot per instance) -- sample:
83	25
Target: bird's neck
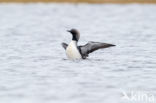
74	38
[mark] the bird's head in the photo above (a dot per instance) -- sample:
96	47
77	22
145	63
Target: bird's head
75	34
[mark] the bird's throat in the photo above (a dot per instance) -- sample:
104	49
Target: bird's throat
74	38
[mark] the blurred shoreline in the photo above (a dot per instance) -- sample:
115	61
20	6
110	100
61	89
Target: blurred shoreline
79	1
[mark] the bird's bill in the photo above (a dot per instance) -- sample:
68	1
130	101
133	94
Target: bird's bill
68	30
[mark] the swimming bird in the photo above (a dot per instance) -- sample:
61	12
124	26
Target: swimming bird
73	51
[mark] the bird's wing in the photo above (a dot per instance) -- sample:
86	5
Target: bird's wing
92	46
64	45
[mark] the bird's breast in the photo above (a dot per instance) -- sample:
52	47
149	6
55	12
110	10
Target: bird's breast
72	51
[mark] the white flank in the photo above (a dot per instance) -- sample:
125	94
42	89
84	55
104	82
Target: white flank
72	51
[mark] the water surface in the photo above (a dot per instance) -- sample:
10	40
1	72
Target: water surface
34	67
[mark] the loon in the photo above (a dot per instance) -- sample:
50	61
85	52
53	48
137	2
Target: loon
73	51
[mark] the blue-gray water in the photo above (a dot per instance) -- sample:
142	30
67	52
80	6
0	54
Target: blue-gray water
34	67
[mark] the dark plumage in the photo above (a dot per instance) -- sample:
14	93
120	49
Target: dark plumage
92	46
